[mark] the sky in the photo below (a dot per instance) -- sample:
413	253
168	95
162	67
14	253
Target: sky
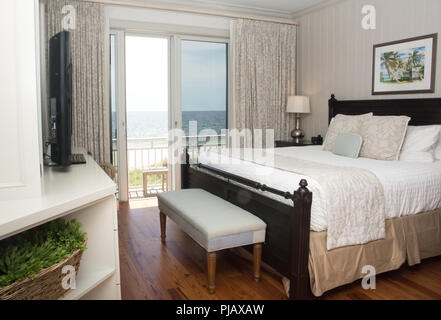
146	74
204	75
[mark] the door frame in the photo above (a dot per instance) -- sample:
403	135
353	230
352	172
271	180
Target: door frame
121	140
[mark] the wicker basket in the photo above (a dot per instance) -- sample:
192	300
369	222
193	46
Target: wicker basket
47	283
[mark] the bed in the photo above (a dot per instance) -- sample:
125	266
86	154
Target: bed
297	228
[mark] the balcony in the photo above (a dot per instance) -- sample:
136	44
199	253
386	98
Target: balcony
151	155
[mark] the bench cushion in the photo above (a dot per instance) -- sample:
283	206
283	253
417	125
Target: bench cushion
214	223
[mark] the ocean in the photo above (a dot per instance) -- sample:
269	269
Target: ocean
146	124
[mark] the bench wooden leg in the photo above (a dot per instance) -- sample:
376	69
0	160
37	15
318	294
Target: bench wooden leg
163	220
257	257
211	271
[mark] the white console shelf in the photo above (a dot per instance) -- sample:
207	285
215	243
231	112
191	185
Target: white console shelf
83	192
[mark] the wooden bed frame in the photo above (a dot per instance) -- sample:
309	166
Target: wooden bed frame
286	247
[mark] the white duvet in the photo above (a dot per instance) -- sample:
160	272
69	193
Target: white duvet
409	188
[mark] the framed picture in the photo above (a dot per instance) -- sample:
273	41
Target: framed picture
405	66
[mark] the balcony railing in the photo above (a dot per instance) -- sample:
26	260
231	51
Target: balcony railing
152	153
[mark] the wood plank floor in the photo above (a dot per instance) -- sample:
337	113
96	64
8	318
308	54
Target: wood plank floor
176	270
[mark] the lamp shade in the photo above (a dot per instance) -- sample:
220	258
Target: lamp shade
298	104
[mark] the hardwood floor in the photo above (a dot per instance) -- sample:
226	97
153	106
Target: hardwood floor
176	270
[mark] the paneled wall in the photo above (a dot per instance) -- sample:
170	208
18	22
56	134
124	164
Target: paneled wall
335	53
19	100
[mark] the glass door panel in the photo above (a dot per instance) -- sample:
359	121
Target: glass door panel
147	99
204	91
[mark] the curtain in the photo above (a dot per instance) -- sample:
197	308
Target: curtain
264	55
90	110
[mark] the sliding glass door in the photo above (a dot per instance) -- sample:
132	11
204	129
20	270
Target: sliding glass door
164	84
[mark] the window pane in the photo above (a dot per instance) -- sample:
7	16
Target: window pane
147	87
204	86
147	94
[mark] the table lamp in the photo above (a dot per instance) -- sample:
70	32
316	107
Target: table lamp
298	105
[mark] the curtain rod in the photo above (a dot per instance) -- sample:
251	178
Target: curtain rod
195	11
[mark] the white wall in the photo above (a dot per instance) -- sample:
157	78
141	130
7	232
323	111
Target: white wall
19	100
335	53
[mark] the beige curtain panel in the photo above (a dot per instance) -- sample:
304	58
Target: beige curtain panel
264	55
90	111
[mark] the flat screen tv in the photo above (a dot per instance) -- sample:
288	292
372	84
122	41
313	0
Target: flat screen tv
60	70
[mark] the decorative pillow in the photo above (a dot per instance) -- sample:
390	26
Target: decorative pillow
343	124
383	137
420	143
347	145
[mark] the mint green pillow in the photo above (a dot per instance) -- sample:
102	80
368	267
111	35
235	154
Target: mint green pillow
348	145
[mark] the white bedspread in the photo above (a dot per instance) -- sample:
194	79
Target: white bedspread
409	188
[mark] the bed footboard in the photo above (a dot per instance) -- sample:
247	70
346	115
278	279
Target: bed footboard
286	246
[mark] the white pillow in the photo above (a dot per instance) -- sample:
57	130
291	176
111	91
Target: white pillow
420	143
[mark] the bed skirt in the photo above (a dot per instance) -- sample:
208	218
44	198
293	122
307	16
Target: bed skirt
411	238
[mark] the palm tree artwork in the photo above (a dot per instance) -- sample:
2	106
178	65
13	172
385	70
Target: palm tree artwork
405	66
400	66
413	61
388	60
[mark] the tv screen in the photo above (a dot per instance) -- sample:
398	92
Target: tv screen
60	70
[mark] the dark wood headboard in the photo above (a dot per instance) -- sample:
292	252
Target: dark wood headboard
422	111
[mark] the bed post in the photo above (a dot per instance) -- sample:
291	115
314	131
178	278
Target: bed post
185	165
300	226
332	103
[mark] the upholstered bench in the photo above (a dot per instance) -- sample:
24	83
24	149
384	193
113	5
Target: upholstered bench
214	223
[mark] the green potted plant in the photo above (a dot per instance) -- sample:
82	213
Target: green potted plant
31	262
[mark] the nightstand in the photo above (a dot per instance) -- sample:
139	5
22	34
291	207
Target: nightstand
292	143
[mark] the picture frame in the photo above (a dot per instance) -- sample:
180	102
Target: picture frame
405	67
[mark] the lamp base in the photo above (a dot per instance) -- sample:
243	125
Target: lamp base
297	135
